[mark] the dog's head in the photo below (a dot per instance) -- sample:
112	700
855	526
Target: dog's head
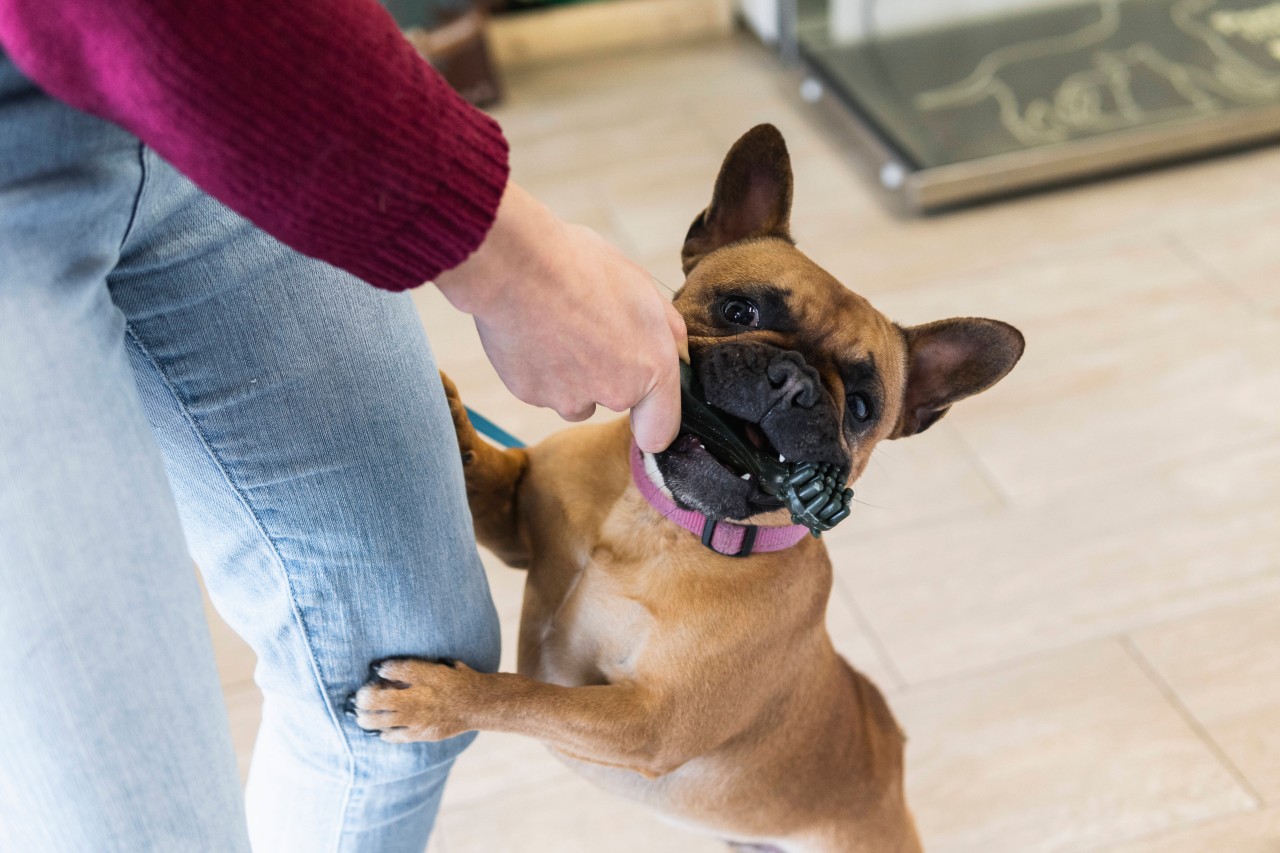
805	367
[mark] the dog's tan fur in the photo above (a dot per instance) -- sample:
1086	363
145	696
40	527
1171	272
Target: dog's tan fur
704	686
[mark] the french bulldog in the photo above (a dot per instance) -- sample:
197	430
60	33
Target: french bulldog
688	670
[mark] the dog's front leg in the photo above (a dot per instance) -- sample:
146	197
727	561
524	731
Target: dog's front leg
493	480
617	725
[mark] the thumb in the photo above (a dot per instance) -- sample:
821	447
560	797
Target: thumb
655	420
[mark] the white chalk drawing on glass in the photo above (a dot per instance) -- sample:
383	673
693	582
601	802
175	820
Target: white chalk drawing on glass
1101	98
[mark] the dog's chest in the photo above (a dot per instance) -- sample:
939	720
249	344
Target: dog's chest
592	634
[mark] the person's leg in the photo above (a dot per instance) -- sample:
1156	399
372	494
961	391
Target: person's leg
313	459
113	733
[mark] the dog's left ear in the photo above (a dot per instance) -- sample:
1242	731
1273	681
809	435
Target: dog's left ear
952	359
752	197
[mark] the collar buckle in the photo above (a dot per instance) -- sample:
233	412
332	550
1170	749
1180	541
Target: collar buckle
748	538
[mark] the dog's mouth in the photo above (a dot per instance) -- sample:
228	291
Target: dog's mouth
743	464
739	460
727	476
749	434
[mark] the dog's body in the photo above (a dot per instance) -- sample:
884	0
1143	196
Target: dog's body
733	712
701	684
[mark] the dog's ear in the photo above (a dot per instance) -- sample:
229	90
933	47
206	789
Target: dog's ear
950	360
752	197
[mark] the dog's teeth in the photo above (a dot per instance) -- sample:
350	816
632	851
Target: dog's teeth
781	458
746	476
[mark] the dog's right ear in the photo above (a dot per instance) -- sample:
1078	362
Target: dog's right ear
949	360
752	197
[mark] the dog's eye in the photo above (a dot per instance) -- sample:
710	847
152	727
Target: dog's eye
740	312
859	407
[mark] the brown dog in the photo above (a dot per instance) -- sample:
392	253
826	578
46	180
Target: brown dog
702	684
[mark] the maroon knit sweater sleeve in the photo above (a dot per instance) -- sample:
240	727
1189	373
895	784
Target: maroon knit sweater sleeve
314	119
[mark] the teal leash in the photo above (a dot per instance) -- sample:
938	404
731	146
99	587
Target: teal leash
489	429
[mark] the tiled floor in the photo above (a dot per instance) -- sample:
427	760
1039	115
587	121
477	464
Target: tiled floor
1070	587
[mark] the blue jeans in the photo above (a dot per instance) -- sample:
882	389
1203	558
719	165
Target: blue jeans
167	370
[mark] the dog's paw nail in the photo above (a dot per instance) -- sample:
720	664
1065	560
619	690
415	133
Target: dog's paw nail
349	706
371	732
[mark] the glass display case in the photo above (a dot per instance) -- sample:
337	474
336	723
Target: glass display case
968	99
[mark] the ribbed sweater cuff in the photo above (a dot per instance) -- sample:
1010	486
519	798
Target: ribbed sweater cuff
471	175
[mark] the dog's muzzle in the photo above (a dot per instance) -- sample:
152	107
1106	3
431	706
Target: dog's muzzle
812	491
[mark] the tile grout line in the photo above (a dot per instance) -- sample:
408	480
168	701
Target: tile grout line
999	665
1002	665
1172	697
1004	495
864	624
1210	273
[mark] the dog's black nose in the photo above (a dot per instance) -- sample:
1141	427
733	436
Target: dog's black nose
797	383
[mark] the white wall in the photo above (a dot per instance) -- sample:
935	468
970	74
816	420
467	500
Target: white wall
762	17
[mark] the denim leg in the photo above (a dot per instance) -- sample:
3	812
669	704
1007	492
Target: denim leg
113	733
314	464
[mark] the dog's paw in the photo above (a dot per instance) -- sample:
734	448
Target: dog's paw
467	435
408	699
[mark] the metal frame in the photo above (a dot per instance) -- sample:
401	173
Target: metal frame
916	189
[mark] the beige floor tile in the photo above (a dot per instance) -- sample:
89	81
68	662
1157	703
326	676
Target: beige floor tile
498	766
1132	359
559	99
244	707
1243	252
727	118
582	202
1074	750
927	478
648	136
1224	665
855	643
571	816
235	659
974	591
939	247
656	198
1251	832
244	701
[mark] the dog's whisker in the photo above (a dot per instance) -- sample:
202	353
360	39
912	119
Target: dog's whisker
662	284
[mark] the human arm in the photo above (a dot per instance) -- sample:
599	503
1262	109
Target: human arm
314	119
317	121
569	322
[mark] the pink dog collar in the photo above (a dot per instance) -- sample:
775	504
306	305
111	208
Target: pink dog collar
723	537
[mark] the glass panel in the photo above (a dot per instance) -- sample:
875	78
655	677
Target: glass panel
959	81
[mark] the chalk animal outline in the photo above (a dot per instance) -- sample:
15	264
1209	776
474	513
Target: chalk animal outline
1076	106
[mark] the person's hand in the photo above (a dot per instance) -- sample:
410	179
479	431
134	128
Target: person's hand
569	322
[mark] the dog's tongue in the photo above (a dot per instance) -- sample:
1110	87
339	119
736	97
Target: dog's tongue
811	491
